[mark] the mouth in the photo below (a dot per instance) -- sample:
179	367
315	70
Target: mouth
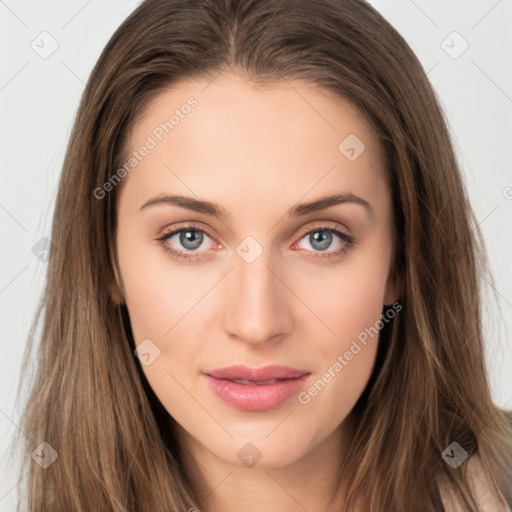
256	389
257	383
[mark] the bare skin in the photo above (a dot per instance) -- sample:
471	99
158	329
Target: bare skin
257	153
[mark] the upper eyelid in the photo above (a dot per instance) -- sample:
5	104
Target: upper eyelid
322	226
167	233
183	226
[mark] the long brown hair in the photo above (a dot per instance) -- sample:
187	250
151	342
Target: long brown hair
89	400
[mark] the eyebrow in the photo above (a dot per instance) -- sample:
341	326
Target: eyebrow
218	211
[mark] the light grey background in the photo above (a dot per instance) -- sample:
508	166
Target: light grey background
39	97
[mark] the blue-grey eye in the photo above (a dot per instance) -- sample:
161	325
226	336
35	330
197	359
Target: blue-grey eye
320	240
191	239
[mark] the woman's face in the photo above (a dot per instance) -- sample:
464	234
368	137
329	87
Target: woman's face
270	273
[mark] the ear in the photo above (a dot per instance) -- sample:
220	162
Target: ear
394	288
115	285
115	292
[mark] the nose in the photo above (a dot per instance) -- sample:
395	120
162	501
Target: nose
257	303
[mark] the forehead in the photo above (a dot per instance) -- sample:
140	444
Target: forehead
283	141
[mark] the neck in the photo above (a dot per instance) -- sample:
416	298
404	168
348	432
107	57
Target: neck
305	484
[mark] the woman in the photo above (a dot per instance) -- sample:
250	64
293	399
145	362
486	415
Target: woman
203	348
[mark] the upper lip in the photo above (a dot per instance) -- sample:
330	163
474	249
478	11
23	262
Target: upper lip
256	374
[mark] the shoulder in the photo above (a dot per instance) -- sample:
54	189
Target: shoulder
484	488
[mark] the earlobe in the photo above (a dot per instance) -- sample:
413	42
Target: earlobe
115	286
393	290
115	292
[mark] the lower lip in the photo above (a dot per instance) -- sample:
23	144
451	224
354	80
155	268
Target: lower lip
247	397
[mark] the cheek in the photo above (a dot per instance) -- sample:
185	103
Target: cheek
158	303
163	301
158	293
351	313
344	362
349	303
347	298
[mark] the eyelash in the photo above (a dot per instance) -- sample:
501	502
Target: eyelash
348	242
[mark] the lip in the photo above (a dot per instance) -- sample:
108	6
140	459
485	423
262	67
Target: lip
263	388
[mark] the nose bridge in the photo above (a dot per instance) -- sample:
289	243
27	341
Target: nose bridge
257	308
